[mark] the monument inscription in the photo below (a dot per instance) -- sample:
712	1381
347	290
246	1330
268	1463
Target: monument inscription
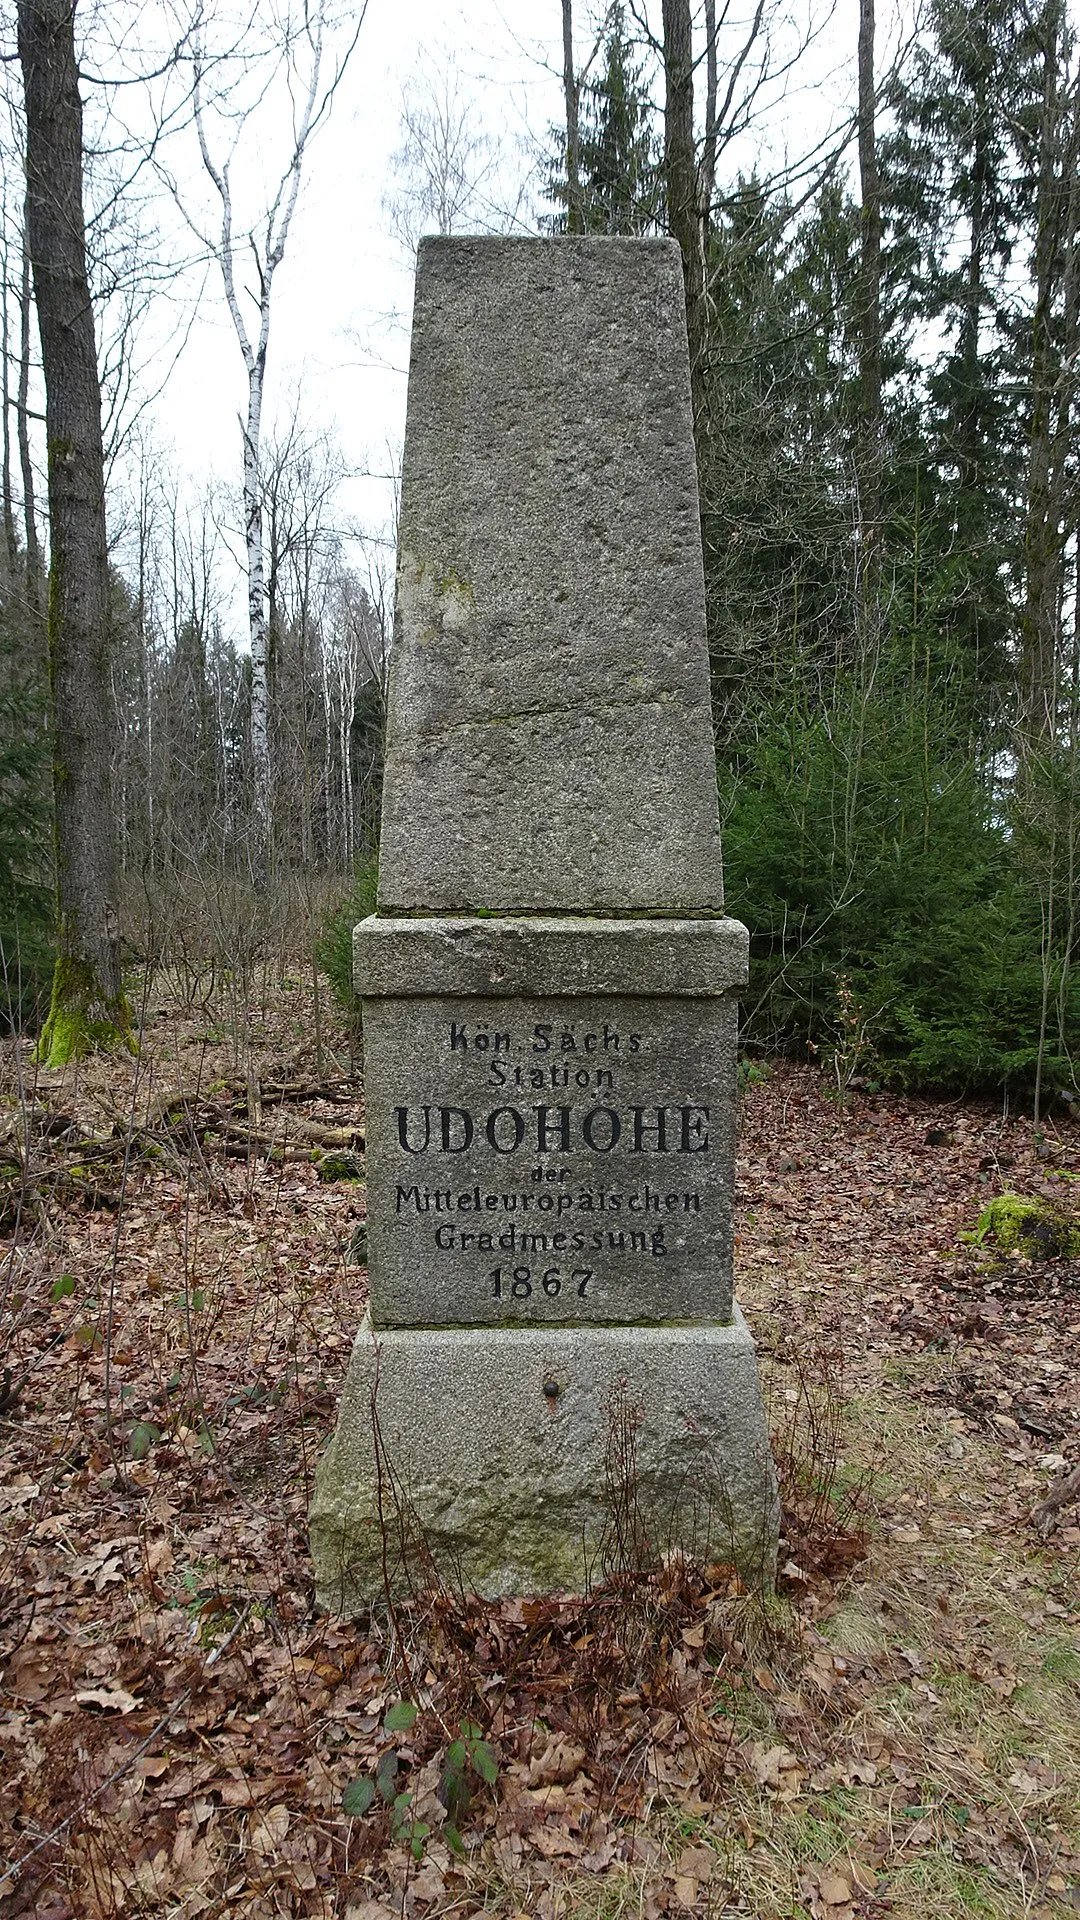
552	1159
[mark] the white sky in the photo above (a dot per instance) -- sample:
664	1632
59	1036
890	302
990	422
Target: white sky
342	297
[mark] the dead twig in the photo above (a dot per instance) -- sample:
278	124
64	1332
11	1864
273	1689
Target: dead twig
1064	1490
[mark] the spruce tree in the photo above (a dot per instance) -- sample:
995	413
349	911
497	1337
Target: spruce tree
26	905
621	181
952	173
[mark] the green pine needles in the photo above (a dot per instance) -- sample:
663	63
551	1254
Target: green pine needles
893	881
26	850
333	949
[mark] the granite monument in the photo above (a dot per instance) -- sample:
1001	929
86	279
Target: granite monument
549	984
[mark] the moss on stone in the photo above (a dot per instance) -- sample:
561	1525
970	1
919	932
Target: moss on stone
453	586
339	1166
82	1018
430	1532
473	1470
366	1553
1029	1225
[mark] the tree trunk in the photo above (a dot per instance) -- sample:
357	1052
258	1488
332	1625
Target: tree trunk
575	211
680	176
267	248
11	548
1041	621
868	429
968	424
88	1008
258	620
707	180
34	595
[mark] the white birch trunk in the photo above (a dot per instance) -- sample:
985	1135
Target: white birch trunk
266	246
258	624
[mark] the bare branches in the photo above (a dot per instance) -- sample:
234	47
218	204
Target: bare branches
451	168
227	112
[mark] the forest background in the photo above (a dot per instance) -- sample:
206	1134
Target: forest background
884	334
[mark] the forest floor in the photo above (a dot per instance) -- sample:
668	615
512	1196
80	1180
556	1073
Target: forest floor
896	1732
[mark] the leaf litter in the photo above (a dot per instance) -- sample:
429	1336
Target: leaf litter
894	1732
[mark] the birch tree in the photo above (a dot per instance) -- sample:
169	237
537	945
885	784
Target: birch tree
447	164
249	253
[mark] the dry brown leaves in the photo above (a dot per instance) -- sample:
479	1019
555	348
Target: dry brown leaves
178	1729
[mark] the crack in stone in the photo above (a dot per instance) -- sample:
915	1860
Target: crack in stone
666	696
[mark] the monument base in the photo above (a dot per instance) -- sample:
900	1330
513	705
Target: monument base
538	1460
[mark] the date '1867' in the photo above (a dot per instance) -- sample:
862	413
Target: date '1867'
516	1283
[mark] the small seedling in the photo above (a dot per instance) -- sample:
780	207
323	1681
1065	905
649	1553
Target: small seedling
401	1718
406	1828
751	1073
142	1439
359	1796
470	1754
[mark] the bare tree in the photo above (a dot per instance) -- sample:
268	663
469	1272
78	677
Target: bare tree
25	574
707	165
298	59
449	165
681	180
33	561
746	74
10	543
88	1007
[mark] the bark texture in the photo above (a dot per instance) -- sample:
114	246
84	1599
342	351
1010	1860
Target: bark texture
88	1008
34	577
1041	626
868	438
707	171
266	246
10	555
680	174
575	212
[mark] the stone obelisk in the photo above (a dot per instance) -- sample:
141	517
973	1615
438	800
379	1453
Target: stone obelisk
549	985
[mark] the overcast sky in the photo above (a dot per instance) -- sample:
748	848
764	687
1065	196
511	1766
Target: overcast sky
342	298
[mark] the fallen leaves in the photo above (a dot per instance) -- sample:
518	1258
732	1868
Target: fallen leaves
776	1768
829	1895
172	1707
111	1699
559	1762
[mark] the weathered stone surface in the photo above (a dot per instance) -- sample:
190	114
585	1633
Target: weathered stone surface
549	737
538	955
501	1462
549	986
555	1160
